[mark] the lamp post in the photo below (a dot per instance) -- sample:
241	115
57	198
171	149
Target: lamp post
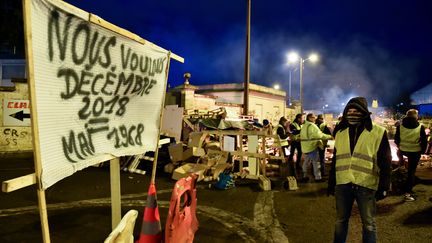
289	88
289	85
293	58
247	61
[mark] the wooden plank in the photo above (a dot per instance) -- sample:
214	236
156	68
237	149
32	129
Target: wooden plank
153	176
253	148
101	22
134	164
115	192
43	214
71	9
236	132
189	123
253	177
164	141
263	161
18	183
241	160
255	155
148	158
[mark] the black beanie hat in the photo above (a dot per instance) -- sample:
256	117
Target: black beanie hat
359	103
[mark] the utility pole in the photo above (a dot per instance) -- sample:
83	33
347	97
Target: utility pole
247	61
301	85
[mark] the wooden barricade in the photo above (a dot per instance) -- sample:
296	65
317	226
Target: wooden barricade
242	152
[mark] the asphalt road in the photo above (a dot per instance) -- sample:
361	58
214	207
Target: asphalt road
79	210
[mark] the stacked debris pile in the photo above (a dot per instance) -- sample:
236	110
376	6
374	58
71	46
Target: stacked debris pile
201	156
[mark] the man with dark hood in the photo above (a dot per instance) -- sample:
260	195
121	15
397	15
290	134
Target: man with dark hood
361	169
411	140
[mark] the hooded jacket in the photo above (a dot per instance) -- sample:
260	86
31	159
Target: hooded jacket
383	154
411	123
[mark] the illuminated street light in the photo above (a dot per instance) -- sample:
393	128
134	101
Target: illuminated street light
276	86
313	57
293	57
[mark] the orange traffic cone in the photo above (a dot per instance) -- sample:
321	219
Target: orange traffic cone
151	231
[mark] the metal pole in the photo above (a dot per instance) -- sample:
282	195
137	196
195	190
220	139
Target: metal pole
301	84
289	87
247	61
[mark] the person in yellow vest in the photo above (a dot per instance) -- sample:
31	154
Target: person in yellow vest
311	138
324	128
282	132
411	140
361	168
295	128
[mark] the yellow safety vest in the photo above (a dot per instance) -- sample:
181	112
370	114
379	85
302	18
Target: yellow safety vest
297	127
361	167
322	126
283	142
410	139
311	137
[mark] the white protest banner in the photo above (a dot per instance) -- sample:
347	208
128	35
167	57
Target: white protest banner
97	94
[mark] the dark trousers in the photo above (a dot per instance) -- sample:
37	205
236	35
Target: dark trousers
322	160
296	146
413	159
287	168
365	198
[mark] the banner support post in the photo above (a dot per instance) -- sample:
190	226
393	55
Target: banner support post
153	177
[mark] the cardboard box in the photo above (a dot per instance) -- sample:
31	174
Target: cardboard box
189	168
189	152
176	152
169	168
217	157
196	139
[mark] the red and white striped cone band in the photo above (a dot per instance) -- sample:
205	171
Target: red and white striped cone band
151	230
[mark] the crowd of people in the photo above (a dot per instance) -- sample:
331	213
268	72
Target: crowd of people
361	165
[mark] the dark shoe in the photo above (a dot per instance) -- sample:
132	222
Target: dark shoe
304	179
320	180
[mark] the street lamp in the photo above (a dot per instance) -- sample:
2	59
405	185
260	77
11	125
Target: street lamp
276	86
291	70
293	57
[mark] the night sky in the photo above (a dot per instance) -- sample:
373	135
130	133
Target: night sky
377	49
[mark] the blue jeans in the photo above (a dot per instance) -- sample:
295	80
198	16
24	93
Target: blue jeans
365	198
312	158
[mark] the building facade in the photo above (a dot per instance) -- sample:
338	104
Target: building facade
264	102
